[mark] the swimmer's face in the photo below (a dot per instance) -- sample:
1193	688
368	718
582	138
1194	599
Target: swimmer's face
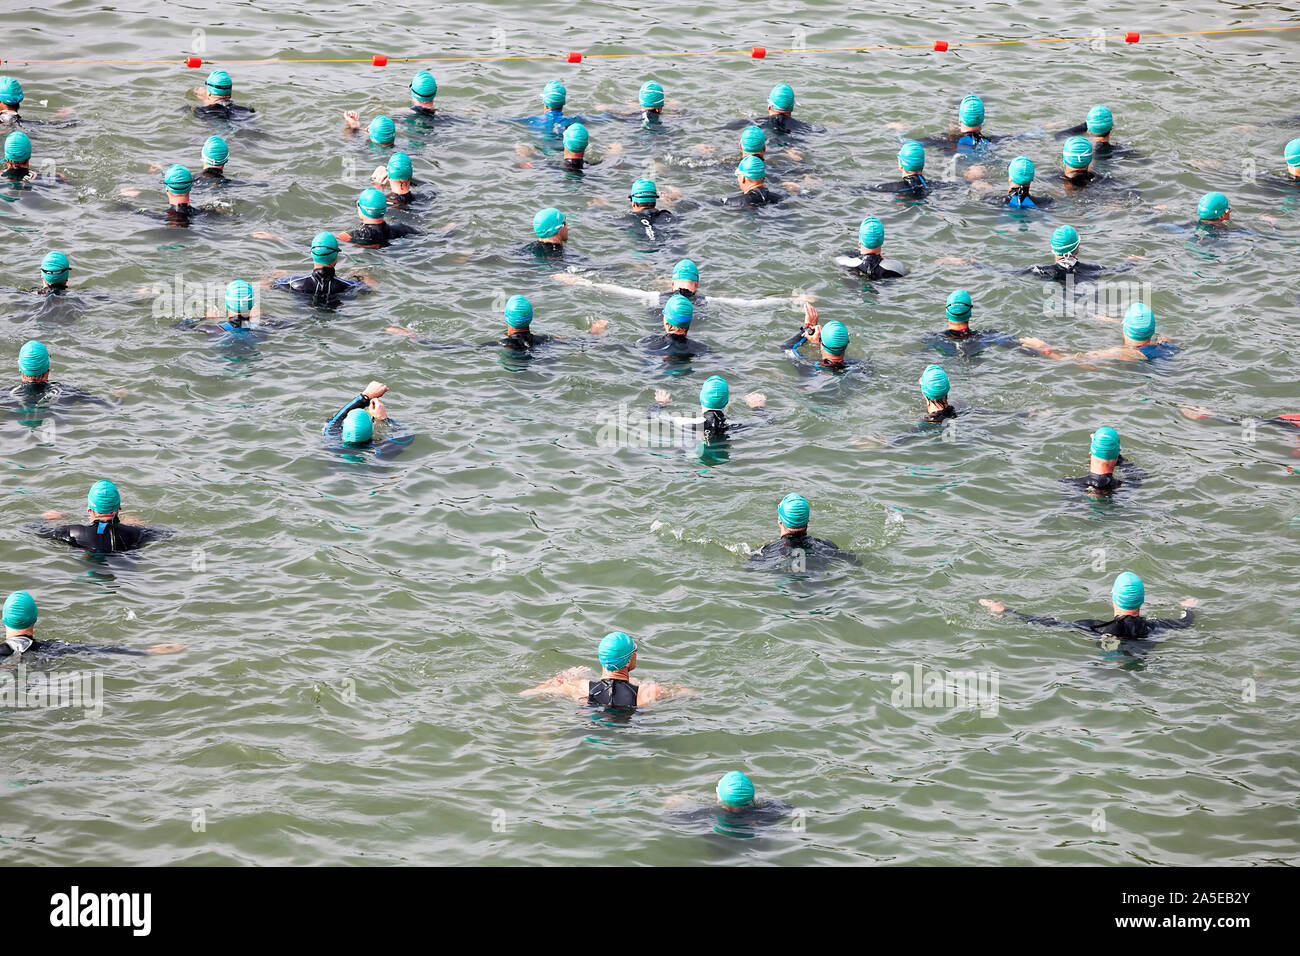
563	234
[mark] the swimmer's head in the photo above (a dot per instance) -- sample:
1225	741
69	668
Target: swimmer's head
11	91
239	297
934	383
219	83
753	141
215	152
576	139
871	234
18	147
372	204
678	311
548	223
1292	156
686	270
33	359
325	249
424	87
1100	121
793	512
382	131
554	95
752	168
1077	152
178	180
644	193
103	498
781	99
651	96
971	112
1065	241
735	791
1128	592
399	167
20	611
358	427
835	338
1021	171
55	268
1105	444
1213	207
958	307
911	157
615	651
715	393
519	312
1139	323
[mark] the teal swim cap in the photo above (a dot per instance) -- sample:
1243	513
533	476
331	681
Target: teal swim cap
372	203
1292	153
1139	322
835	337
643	192
19	611
382	131
1105	444
781	98
103	497
715	393
548	222
33	359
576	138
735	790
11	91
55	268
652	95
399	166
220	83
615	651
793	512
971	111
753	167
678	311
958	306
934	383
1021	171
239	297
1077	152
753	140
519	312
1065	240
424	86
1099	120
911	156
686	270
871	233
178	180
18	147
358	427
1212	206
324	249
1128	592
215	151
554	95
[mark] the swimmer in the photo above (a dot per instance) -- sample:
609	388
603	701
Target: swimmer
322	285
178	182
1291	179
1213	210
215	155
354	426
751	176
831	340
381	133
552	231
374	232
968	134
712	424
11	98
424	89
35	388
396	179
1200	413
958	337
869	262
1020	179
673	344
1076	163
20	615
552	122
1103	460
780	121
1141	343
911	165
736	810
795	550
241	309
685	282
651	100
519	336
1098	127
1127	597
645	214
55	272
215	98
1065	255
617	655
108	530
18	157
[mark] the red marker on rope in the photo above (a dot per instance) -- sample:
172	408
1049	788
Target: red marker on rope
941	46
758	52
379	60
1131	37
193	62
575	56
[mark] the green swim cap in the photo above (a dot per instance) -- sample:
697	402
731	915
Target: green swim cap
382	131
11	91
554	95
55	268
735	790
1212	206
424	86
835	337
19	611
971	111
912	156
33	358
1105	444
678	311
958	306
576	138
753	167
1077	152
18	147
753	139
103	497
643	191
372	203
1139	322
1099	120
793	512
934	383
358	427
651	96
715	393
615	651
178	180
687	270
399	166
519	312
1065	240
220	83
1128	592
871	233
1021	171
548	222
324	248
215	151
781	98
1292	153
239	297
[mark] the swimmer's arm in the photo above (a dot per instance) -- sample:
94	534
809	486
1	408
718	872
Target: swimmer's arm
54	532
1186	620
570	683
335	424
568	278
795	300
58	648
652	693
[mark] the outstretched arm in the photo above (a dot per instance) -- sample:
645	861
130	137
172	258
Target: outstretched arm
652	693
569	278
571	683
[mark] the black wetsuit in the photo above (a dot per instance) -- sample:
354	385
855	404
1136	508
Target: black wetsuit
55	648
1020	198
758	196
1100	149
522	341
871	266
798	551
31	394
1069	266
956	140
223	110
933	422
1106	485
968	341
697	299
379	233
648	222
574	163
822	364
105	537
396	442
612	692
912	185
781	126
673	346
321	285
545	251
1126	627
178	215
740	822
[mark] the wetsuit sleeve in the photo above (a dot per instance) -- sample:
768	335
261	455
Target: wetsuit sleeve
793	343
335	425
894	187
396	442
1078	130
1188	618
1083	625
62	532
58	648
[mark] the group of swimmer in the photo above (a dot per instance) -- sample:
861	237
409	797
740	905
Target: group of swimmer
362	426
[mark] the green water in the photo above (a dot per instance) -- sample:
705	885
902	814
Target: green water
358	634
